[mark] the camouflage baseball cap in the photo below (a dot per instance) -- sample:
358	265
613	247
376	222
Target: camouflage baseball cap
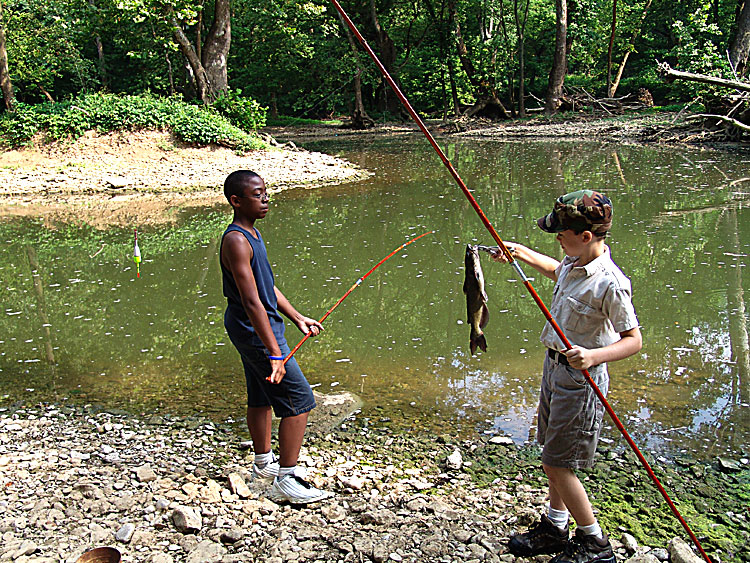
584	210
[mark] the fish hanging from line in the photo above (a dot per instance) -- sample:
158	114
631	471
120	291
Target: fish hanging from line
476	299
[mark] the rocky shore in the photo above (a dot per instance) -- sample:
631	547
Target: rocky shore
162	489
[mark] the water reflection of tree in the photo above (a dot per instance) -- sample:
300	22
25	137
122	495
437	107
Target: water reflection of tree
738	333
40	303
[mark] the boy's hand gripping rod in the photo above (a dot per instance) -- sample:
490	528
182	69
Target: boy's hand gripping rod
352	288
513	262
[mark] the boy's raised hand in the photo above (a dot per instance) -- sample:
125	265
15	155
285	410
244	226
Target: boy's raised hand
499	256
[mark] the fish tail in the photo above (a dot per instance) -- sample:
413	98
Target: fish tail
477	340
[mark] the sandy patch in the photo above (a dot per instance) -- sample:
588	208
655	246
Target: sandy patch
115	178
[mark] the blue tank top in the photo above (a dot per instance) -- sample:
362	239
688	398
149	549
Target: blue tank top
236	319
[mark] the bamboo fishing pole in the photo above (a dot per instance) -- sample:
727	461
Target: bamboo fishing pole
352	288
513	262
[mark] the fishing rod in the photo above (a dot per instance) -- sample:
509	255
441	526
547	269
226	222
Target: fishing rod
513	262
352	288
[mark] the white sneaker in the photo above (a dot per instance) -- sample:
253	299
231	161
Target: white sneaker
268	471
295	490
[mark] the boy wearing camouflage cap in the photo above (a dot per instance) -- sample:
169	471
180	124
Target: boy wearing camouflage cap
592	305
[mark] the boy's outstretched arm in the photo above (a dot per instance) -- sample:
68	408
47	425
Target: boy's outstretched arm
236	254
303	323
545	265
583	358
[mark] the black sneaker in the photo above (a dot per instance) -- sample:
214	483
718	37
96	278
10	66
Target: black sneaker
545	537
584	548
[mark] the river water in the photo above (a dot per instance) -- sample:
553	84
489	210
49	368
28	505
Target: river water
77	324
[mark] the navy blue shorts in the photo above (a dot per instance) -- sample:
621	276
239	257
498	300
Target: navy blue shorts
291	397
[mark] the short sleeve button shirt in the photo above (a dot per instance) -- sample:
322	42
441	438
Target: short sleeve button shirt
591	304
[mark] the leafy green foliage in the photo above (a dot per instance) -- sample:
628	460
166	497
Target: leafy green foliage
243	112
699	49
45	43
108	112
293	56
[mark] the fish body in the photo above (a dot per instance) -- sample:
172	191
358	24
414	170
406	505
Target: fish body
476	299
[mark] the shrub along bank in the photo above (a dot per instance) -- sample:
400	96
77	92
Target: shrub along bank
231	121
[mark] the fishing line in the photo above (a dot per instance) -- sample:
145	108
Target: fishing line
512	261
352	288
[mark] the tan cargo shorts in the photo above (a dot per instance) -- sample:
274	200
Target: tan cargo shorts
570	414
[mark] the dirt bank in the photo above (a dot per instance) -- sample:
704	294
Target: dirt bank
115	178
662	128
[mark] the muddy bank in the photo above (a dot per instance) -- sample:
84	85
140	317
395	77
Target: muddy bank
654	128
128	177
166	489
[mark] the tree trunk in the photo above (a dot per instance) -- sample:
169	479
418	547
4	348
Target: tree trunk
463	52
454	87
560	61
487	101
360	119
739	51
170	73
670	74
209	72
199	32
612	88
521	28
199	77
444	25
612	31
387	49
5	84
216	49
101	66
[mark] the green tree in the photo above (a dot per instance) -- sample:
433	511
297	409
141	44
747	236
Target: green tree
739	51
292	55
44	48
560	61
6	86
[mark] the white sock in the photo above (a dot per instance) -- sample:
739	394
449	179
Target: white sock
261	460
592	530
286	471
558	517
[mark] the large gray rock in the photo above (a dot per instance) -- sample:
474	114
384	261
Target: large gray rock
186	520
207	552
680	552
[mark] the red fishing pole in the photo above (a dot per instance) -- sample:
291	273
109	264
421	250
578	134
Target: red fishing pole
352	288
512	261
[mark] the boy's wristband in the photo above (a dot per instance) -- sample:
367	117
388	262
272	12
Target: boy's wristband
275	357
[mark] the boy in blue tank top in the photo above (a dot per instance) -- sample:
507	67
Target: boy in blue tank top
256	328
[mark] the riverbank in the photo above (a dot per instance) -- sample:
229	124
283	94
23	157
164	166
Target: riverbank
141	177
663	128
163	489
129	178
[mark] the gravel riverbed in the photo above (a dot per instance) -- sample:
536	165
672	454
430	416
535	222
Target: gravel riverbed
163	489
